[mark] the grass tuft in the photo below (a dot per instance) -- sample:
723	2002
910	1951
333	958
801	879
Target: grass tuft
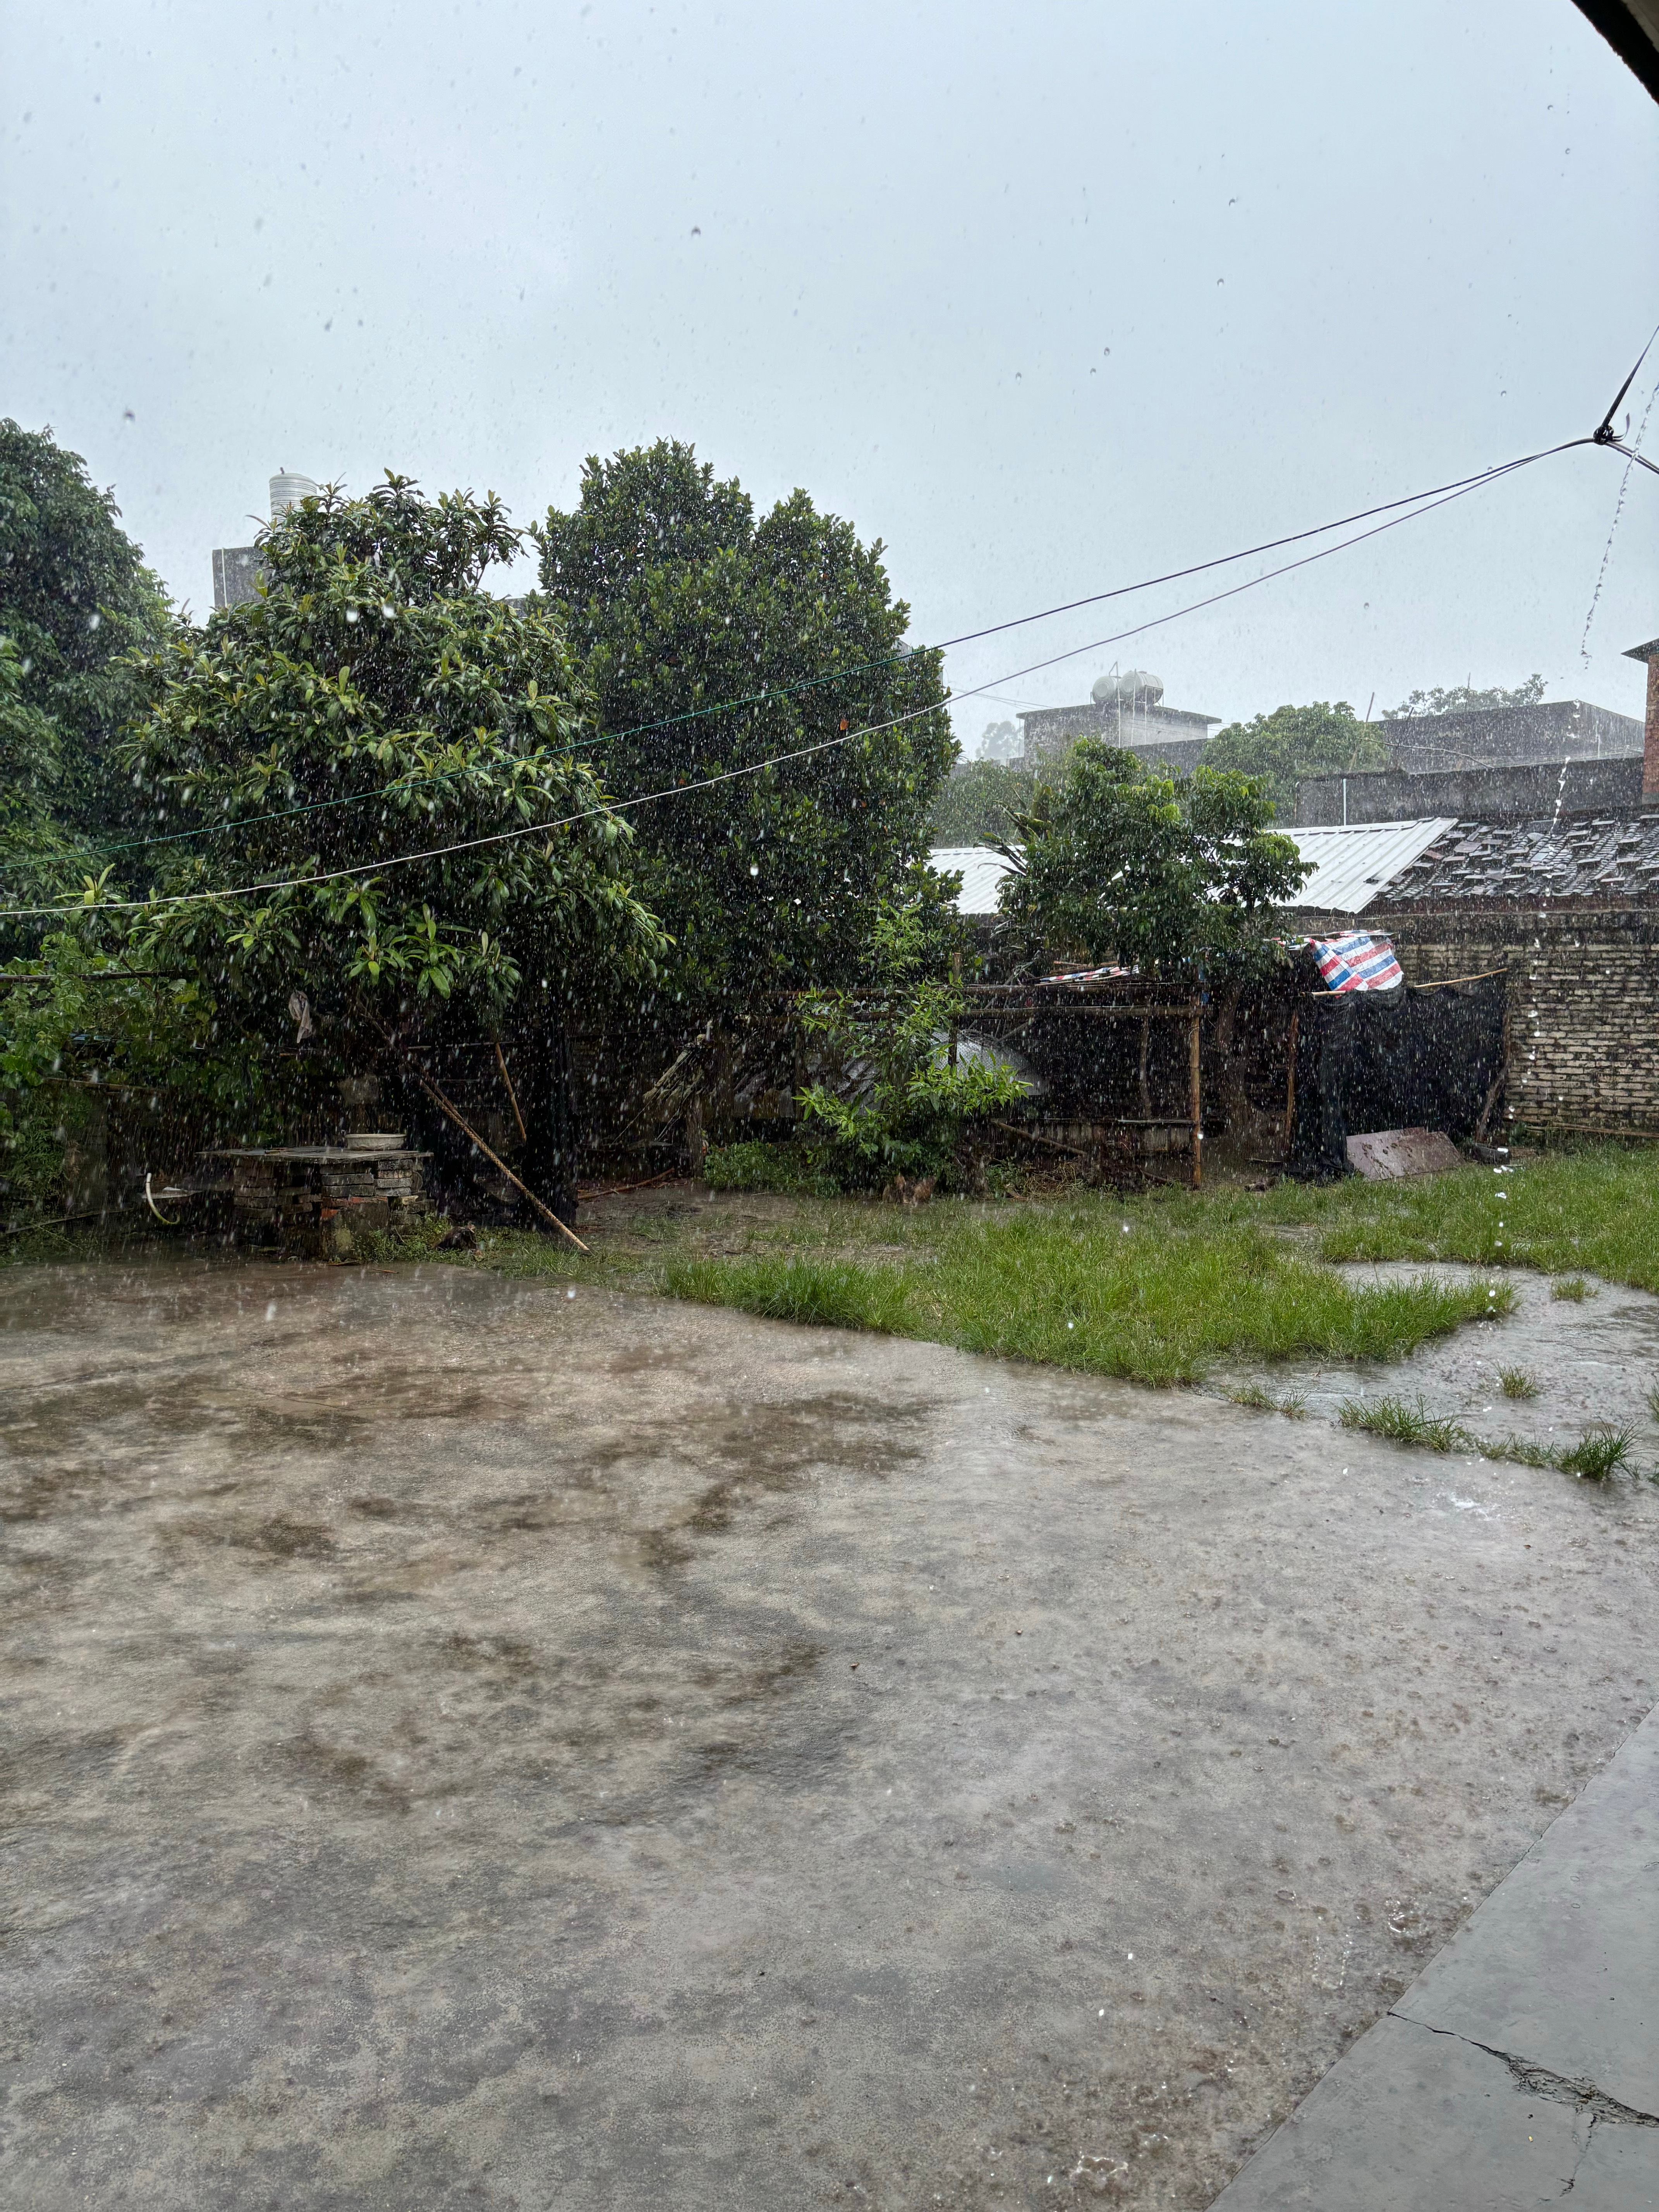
1571	1290
1263	1401
1517	1383
1404	1423
1598	1452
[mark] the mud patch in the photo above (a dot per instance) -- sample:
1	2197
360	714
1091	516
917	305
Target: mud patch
277	1538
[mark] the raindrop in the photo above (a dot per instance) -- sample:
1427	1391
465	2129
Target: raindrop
754	868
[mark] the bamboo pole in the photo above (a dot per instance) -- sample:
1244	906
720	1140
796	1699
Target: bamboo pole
443	1107
512	1095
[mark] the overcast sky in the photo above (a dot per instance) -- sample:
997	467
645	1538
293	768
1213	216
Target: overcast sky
1049	297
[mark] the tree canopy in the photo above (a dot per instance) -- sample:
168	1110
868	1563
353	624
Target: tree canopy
678	601
371	704
1171	875
1461	699
1326	738
979	802
76	600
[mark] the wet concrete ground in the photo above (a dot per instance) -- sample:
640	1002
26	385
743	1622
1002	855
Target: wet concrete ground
469	1746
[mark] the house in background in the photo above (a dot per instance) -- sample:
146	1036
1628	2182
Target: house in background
1126	710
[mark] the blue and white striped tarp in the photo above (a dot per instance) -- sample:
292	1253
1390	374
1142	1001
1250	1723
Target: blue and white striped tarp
1357	960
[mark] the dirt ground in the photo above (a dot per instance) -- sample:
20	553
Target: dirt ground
434	1705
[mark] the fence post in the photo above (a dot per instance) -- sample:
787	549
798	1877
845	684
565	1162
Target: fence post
1194	1100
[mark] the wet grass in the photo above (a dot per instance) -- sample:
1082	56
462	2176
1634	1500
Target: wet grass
1263	1401
1517	1383
1405	1424
1603	1449
1078	1290
1572	1290
1596	1210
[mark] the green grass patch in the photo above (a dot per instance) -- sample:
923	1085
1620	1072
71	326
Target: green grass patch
1406	1424
1572	1290
1076	1291
1595	1210
1517	1383
833	1293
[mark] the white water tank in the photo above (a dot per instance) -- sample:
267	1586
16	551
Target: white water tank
287	491
1135	686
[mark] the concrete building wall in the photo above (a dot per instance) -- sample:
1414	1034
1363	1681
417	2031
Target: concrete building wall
1165	733
1553	730
1582	1021
1529	791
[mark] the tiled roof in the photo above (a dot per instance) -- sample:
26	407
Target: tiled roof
1609	859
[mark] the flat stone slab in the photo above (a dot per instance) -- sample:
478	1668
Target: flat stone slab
1411	2121
1560	1966
1385	1155
1524	2061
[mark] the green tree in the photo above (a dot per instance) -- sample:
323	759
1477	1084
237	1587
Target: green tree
1461	699
1172	875
978	802
678	600
1320	740
38	855
374	702
908	1115
76	601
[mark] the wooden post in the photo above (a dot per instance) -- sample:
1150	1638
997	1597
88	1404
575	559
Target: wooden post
1290	1084
1193	1099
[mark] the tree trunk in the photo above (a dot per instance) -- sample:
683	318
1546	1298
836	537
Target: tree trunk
545	1082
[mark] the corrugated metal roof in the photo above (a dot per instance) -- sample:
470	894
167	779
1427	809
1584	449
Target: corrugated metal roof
1353	865
981	870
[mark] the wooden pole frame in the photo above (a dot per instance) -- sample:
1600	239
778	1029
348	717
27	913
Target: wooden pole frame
445	1108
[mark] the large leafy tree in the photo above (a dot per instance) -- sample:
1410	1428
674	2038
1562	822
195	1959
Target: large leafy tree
979	802
391	757
680	600
1323	738
1175	876
76	600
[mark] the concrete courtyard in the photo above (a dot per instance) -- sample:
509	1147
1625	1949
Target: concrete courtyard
468	1745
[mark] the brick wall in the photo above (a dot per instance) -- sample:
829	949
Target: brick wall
1583	1021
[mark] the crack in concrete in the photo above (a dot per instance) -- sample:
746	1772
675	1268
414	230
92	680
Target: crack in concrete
1557	2088
1572	2178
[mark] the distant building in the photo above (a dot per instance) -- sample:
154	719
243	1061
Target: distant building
1125	710
1557	755
237	569
1511	736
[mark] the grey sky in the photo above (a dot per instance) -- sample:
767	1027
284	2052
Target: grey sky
1048	297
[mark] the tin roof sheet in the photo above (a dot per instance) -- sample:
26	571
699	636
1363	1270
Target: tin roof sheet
1352	865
